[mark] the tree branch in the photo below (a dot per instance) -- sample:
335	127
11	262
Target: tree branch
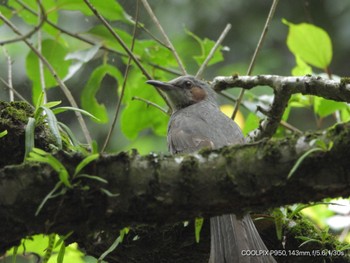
283	88
158	189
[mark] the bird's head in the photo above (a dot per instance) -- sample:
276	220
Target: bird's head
184	91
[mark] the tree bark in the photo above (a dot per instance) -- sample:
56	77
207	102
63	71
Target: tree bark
159	189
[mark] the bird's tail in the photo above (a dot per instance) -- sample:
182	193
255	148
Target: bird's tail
236	241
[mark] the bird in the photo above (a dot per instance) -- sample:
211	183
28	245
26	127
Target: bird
196	122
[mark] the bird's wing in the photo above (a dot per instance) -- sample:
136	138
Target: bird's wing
185	135
188	133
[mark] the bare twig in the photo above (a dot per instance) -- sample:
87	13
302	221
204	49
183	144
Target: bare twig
15	91
150	103
88	41
153	36
166	38
9	73
124	81
122	43
257	49
118	38
290	127
212	51
61	84
42	18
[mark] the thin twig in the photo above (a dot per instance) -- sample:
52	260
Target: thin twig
122	43
283	123
118	38
30	33
153	36
124	81
166	38
257	49
41	65
290	127
15	91
9	73
150	103
212	51
53	72
88	41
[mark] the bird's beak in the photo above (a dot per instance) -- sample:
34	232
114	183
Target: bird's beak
164	86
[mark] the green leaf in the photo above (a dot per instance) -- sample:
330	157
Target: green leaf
92	177
6	12
38	155
251	123
85	162
311	43
324	107
55	53
108	193
30	18
61	253
3	133
29	136
279	218
88	95
39	102
72	139
115	244
53	125
47	197
81	57
66	108
137	116
302	68
52	104
198	223
109	9
205	46
301	159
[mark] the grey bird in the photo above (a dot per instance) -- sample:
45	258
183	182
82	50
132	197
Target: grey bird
196	122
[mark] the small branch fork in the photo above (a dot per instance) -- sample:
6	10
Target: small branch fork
284	88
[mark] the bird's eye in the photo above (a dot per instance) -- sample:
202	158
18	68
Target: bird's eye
188	84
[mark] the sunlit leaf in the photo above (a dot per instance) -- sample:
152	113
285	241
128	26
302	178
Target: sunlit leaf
311	43
3	133
302	68
251	123
205	46
110	9
324	107
31	18
198	223
6	12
